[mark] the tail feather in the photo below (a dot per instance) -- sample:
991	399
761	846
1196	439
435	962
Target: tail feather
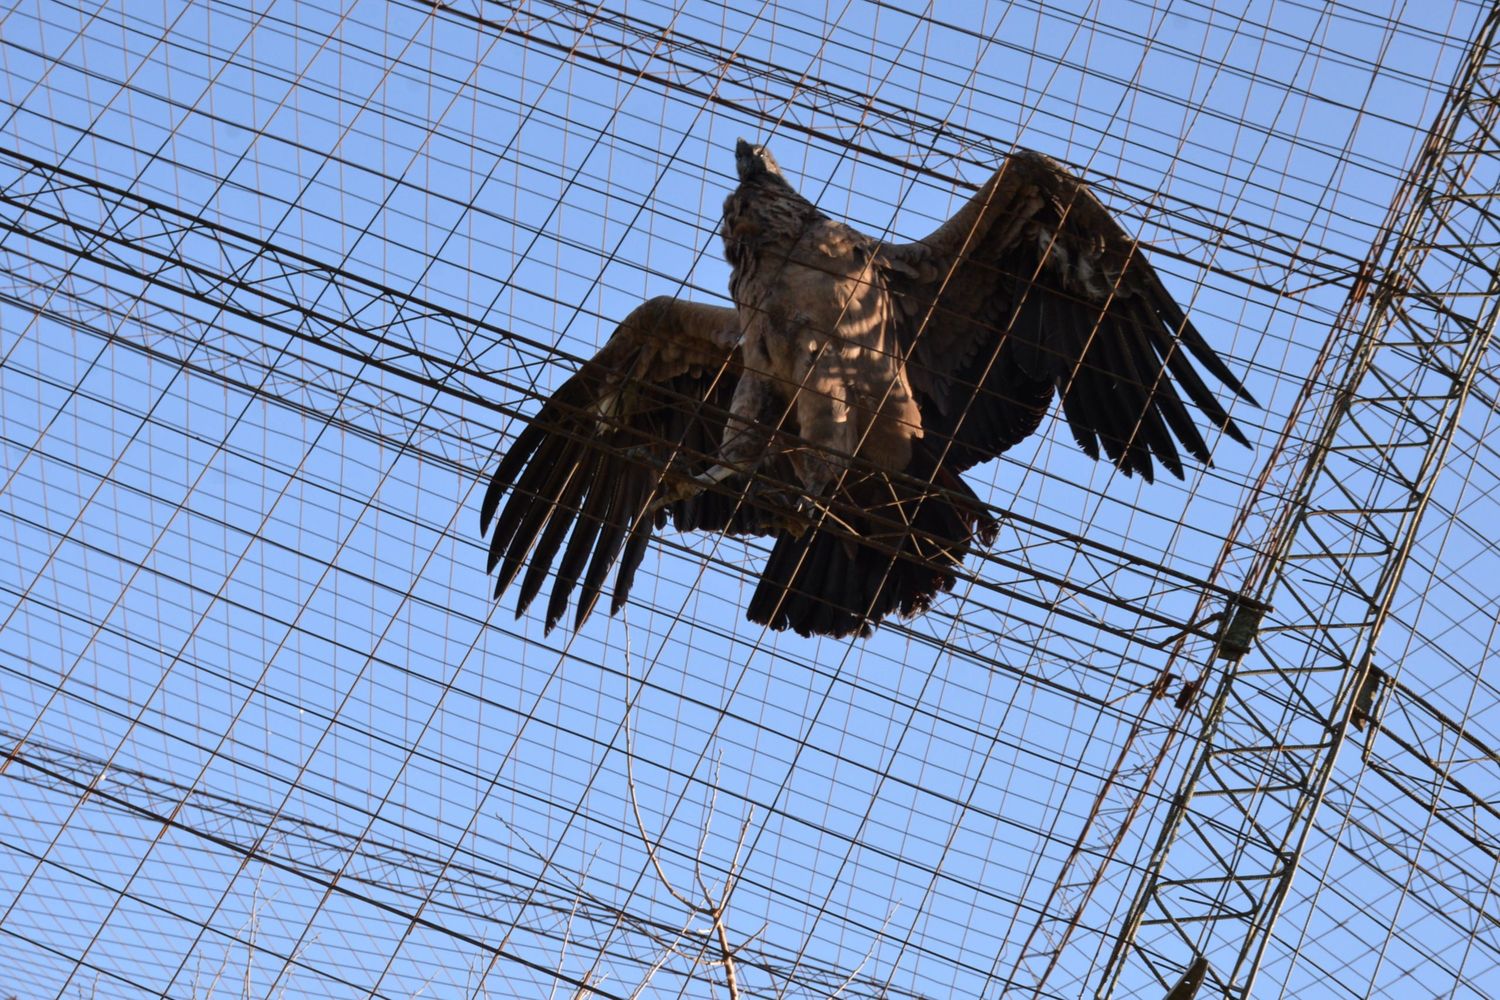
899	545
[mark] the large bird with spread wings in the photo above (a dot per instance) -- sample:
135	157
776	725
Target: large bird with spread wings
835	407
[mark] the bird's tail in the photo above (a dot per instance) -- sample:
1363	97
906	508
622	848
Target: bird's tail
881	545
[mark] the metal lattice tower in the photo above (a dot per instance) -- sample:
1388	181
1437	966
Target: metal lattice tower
1337	531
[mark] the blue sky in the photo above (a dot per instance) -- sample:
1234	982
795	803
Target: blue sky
240	499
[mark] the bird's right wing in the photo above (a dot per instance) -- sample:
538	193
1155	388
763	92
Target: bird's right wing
588	466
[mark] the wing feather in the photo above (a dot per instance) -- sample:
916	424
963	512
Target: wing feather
611	534
1031	290
531	507
578	482
561	516
630	558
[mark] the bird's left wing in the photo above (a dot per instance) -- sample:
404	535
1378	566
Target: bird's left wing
1033	288
586	469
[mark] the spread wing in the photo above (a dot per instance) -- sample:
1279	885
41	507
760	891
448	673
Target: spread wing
1032	288
585	470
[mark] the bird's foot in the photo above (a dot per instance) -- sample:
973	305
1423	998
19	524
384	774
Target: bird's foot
676	486
791	510
676	483
674	489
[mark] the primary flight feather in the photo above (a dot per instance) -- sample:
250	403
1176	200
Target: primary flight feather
836	405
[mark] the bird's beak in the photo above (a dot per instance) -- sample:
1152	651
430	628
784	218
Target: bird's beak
745	160
751	160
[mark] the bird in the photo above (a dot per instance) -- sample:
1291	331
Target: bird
836	405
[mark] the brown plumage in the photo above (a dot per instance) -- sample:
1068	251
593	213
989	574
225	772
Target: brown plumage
835	407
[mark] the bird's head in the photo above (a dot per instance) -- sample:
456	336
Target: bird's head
763	209
752	160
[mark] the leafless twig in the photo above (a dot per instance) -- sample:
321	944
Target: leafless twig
711	907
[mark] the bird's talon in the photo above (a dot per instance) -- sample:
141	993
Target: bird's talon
670	491
794	510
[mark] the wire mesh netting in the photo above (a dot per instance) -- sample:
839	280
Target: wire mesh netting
280	281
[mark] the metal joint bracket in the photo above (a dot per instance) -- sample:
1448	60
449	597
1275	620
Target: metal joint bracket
1241	629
